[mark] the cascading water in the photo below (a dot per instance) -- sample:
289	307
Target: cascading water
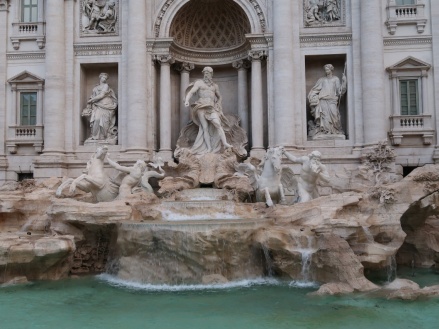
268	261
391	268
306	250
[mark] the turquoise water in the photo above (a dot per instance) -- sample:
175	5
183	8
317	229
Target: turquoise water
103	302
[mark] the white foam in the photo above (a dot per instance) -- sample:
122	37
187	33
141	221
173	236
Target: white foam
116	282
303	284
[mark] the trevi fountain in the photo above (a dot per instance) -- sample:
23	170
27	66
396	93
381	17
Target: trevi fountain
216	227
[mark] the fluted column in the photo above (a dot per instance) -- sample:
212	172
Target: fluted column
257	113
184	69
242	67
283	51
165	62
375	120
137	78
54	111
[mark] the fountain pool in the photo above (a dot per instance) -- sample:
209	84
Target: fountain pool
105	302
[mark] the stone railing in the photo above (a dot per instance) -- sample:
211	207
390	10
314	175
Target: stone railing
28	31
406	14
25	135
411	125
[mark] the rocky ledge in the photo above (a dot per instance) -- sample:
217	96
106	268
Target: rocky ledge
333	240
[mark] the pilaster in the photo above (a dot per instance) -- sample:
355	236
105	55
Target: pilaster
375	120
54	115
283	90
4	5
137	118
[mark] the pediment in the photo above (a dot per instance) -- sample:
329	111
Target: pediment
410	63
26	77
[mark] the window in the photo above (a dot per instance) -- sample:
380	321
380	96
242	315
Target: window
26	112
411	108
29	11
28	109
409	97
405	2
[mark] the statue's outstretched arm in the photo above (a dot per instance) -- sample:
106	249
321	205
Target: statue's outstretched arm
117	166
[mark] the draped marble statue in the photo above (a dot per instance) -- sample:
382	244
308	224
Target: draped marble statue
324	99
101	108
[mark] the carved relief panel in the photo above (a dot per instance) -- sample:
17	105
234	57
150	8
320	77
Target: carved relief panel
99	17
322	13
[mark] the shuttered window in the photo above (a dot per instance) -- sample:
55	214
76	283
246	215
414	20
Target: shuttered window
28	109
409	97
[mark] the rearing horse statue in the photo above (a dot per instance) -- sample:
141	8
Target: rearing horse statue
270	178
94	180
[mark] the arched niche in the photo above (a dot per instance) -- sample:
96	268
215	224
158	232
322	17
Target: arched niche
255	12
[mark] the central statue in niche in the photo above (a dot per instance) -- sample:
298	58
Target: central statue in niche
210	131
207	114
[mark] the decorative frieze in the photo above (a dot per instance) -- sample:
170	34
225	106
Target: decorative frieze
26	55
97	49
99	17
325	40
407	41
323	13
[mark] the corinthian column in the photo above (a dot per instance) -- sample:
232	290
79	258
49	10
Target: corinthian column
283	90
184	69
137	78
242	67
257	116
54	111
375	122
165	62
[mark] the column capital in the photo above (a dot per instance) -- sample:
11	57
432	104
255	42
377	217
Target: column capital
165	59
257	55
184	67
241	64
4	4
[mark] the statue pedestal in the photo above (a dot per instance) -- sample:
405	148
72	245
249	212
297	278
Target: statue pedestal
328	137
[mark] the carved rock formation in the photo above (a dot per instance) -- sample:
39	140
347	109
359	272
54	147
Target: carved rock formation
332	239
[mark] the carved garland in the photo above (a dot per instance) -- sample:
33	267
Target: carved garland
168	3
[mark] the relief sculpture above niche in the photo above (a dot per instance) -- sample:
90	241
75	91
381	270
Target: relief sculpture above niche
99	17
321	13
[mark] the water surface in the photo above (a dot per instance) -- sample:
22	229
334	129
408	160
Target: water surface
102	302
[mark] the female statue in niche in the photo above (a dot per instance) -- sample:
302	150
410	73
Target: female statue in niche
324	99
101	107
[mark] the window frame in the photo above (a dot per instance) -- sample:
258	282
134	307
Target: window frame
418	105
30	6
29	115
